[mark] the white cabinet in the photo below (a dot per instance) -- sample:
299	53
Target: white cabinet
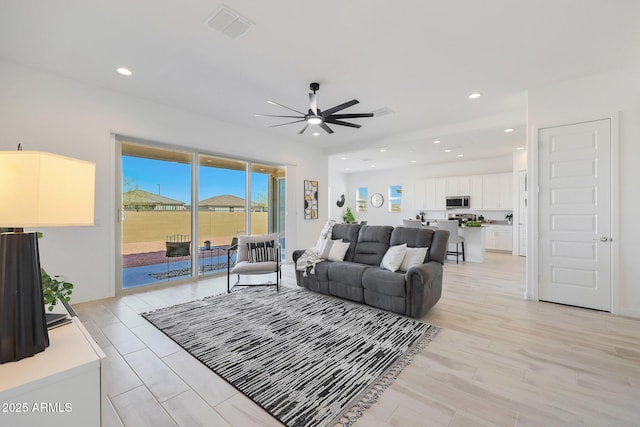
487	192
434	194
475	191
499	238
497	191
458	186
60	386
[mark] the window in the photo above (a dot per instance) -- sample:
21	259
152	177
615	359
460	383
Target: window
395	198
362	199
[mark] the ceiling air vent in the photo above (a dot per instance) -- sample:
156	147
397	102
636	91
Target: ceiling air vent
230	22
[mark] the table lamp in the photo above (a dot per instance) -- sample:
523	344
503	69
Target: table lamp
37	189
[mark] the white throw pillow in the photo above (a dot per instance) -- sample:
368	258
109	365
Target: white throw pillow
414	256
326	248
338	250
394	256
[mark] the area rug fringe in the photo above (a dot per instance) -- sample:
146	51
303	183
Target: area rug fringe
350	415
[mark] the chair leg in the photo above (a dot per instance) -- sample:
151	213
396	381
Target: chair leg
457	252
463	257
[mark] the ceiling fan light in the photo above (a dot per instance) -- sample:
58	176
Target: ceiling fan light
314	120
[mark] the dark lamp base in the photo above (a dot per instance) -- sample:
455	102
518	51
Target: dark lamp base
23	325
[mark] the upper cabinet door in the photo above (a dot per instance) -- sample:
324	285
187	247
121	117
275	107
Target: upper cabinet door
457	186
497	191
490	191
505	191
475	191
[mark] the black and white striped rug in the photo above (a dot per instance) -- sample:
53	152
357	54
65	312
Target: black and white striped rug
306	358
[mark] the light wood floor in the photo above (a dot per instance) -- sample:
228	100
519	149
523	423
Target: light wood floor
500	360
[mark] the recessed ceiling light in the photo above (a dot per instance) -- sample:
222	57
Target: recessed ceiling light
460	155
347	169
343	158
520	148
316	133
436	142
373	166
475	95
382	150
508	130
447	151
413	161
124	71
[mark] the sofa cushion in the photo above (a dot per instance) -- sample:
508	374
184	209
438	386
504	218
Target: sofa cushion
385	282
413	256
345	280
373	242
348	233
394	256
413	237
318	282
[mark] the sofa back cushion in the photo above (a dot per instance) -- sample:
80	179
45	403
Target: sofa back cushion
348	233
436	241
373	242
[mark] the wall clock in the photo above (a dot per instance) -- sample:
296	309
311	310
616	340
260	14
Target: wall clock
377	200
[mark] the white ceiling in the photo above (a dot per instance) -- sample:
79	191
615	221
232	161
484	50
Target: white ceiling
419	58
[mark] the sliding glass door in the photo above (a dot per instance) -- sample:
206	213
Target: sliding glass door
155	215
222	213
180	211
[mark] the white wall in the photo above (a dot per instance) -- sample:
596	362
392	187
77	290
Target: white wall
338	187
595	97
380	180
50	113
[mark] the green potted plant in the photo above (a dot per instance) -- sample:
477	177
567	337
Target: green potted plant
348	216
55	289
509	217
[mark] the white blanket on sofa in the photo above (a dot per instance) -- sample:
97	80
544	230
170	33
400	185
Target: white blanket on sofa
312	256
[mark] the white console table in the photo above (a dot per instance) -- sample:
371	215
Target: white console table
60	386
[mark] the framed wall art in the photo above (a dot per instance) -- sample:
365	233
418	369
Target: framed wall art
310	199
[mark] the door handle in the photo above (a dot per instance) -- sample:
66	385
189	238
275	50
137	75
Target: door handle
602	239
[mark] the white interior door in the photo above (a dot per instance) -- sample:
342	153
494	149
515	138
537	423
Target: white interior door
575	214
522	213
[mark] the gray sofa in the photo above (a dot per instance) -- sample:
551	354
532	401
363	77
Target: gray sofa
360	278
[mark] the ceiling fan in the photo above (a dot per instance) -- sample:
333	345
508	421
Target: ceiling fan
316	116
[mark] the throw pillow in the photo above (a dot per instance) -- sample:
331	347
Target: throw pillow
393	257
338	250
261	251
326	248
414	256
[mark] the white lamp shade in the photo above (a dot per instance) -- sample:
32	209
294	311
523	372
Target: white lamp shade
39	189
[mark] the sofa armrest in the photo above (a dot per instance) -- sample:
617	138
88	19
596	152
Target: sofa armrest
424	287
297	254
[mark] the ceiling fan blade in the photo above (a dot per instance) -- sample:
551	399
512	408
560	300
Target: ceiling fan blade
347	104
341	123
273	115
303	129
288	123
284	106
349	116
324	126
312	103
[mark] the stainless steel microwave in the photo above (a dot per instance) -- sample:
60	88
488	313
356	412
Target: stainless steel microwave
457	202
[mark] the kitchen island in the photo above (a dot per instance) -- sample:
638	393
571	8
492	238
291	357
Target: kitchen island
474	241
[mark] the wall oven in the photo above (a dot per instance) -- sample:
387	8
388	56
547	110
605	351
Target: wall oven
458	202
